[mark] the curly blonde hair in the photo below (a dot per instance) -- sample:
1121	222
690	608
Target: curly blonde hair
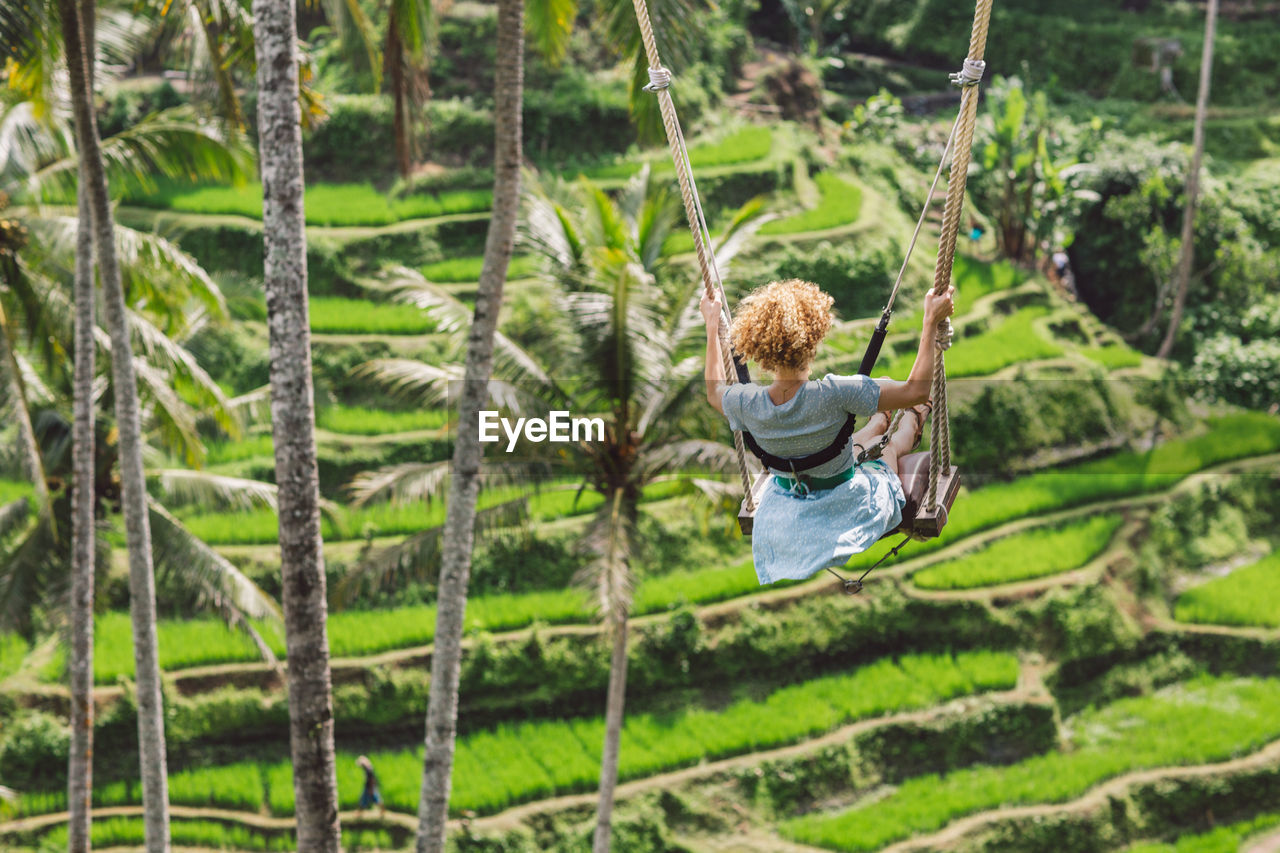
780	325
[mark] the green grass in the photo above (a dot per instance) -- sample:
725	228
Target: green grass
1113	356
1012	341
360	420
13	649
517	762
1022	556
181	644
336	315
1247	596
840	204
250	447
1214	720
468	269
743	146
1235	436
11	490
261	527
1223	839
326	204
209	835
974	278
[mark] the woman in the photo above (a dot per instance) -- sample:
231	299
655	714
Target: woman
817	518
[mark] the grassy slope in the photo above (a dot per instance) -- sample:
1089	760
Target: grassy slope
1214	719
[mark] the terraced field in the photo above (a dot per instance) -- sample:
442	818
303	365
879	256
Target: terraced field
929	712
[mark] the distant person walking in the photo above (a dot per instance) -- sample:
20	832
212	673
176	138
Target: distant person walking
975	230
371	793
1062	269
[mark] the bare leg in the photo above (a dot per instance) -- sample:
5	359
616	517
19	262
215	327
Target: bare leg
902	442
875	427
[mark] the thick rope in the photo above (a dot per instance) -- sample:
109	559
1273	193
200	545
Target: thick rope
967	78
660	84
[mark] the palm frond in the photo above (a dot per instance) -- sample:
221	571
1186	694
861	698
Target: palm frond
26	141
417	558
747	220
423	383
356	35
220	585
690	454
185	486
251	408
454	317
549	24
408	482
665	397
189	380
174	143
165	279
168	414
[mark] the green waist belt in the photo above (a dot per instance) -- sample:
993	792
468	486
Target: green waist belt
816	484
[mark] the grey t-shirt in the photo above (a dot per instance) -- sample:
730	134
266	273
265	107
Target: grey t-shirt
808	421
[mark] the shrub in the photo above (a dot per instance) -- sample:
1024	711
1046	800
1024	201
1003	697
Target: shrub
858	280
34	751
354	143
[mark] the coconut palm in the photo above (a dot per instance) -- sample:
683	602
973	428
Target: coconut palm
293	427
442	703
605	259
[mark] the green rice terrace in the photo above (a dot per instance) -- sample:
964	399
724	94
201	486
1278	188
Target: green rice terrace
1086	659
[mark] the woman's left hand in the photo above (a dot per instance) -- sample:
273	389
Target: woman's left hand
939	307
711	310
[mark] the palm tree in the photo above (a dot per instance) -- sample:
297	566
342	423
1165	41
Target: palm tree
464	488
624	330
1187	251
293	427
83	532
155	793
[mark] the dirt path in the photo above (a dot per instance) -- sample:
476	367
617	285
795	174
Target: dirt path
1266	844
1096	799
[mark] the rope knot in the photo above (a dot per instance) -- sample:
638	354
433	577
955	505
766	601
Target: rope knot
659	78
944	333
969	75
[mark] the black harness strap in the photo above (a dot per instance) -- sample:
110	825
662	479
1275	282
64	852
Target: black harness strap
803	463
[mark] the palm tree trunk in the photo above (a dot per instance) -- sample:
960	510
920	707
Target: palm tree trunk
400	127
442	705
1193	183
612	737
80	760
293	428
142	592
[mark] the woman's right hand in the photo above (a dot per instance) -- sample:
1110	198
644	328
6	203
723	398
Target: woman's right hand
711	310
939	307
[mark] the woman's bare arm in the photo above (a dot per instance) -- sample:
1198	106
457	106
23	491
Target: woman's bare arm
714	373
915	390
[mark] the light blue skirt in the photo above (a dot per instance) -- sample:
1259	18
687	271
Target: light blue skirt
797	535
